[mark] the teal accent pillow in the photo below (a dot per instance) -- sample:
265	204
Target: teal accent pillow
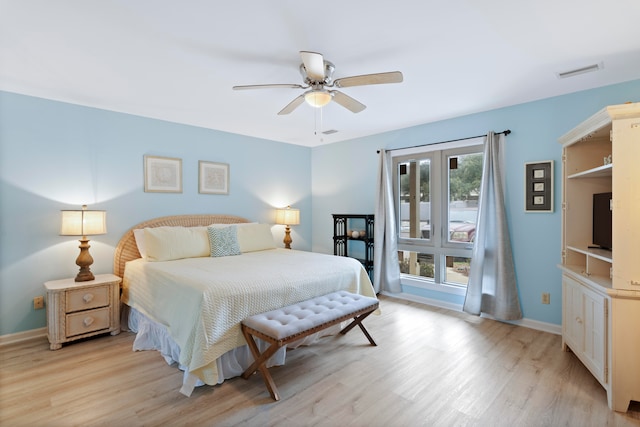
223	241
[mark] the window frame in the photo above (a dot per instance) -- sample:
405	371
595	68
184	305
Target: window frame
438	244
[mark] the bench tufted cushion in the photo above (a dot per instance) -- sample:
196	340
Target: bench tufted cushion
297	318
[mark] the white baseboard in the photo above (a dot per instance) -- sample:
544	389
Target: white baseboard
423	300
527	323
22	336
552	328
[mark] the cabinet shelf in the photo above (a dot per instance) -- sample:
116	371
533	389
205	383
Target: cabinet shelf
360	239
601	282
601	254
599	172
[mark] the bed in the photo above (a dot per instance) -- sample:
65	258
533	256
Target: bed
199	275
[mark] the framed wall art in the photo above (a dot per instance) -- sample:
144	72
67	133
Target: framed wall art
213	178
162	174
538	186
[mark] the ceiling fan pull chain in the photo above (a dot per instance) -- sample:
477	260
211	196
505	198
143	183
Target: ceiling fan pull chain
321	126
315	121
316	130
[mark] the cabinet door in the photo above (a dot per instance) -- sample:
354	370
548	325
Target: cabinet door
595	326
585	326
573	324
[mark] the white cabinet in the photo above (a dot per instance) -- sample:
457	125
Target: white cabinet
601	288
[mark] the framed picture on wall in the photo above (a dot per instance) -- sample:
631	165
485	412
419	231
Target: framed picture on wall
213	178
162	174
538	186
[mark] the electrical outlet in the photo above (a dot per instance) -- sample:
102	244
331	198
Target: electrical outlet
38	303
546	298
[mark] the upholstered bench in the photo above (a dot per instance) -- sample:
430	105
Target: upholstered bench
292	323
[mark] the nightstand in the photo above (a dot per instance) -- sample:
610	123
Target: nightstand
82	309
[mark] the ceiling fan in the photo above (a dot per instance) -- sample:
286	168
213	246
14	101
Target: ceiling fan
317	74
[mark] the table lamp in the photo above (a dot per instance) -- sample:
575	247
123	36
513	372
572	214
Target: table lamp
83	223
287	217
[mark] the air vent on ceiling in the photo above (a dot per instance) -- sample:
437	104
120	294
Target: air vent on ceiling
581	70
330	131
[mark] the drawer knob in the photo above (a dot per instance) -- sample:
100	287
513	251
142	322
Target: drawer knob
87	298
87	321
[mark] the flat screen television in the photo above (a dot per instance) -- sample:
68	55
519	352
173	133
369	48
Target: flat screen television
602	220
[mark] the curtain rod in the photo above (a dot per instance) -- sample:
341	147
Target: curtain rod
506	132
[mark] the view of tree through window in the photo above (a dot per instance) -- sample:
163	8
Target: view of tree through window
464	181
465	175
424	182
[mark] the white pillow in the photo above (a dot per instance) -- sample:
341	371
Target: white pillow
138	235
255	237
169	243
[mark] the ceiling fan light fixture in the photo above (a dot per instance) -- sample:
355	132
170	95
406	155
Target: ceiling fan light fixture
317	75
317	98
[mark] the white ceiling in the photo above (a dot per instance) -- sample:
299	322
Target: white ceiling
177	61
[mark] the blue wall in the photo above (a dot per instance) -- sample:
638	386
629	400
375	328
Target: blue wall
57	156
344	177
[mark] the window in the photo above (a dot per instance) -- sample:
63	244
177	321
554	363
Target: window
436	193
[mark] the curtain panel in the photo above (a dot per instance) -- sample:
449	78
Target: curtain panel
492	287
386	270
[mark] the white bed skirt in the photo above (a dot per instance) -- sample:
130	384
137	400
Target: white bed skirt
151	335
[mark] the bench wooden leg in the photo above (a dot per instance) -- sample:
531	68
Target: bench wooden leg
260	363
358	321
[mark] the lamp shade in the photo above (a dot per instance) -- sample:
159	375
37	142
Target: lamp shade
288	216
317	98
83	222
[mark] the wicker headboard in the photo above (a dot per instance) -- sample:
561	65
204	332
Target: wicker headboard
127	249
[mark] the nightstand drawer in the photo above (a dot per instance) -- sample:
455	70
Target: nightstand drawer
84	299
87	321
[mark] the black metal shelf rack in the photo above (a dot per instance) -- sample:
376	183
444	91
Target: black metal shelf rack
345	227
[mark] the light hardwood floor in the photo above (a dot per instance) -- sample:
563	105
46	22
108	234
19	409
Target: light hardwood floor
432	367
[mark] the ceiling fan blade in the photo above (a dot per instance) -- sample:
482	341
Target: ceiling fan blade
370	79
314	64
292	105
271	86
347	102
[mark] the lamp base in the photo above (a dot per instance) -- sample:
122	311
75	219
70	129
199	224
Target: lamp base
287	238
84	261
84	275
